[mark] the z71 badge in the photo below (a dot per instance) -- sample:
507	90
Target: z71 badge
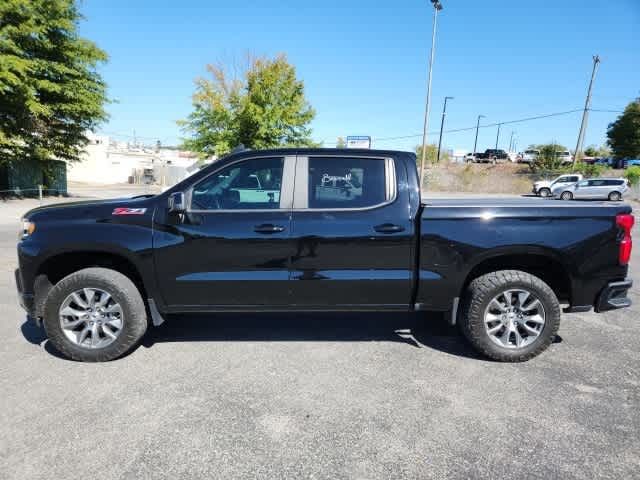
128	211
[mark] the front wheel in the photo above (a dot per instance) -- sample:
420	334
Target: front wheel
545	192
94	315
509	315
566	196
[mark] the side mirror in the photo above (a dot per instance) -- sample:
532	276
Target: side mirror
176	202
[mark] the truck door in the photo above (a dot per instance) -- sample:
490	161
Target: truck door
352	232
232	246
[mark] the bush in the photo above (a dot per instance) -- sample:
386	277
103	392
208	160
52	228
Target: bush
588	170
633	175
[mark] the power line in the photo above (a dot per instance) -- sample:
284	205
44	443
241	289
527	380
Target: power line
489	125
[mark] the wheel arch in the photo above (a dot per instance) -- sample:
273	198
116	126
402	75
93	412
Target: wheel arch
58	265
541	263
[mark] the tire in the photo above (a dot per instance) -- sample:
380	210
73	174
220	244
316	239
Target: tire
615	196
121	292
566	196
483	290
544	192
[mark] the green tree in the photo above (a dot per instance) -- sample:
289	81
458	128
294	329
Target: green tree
341	143
596	151
549	158
624	133
50	90
432	153
264	108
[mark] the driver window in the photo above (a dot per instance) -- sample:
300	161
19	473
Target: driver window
583	183
249	185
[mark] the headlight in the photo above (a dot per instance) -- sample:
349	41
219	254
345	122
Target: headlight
27	228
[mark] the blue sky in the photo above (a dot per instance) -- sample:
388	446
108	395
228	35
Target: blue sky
364	63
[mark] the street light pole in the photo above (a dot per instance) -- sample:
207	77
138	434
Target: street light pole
498	135
475	144
437	6
444	112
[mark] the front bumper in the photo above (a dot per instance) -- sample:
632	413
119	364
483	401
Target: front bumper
614	296
26	300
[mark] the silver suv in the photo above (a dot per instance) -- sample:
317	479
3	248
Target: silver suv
602	188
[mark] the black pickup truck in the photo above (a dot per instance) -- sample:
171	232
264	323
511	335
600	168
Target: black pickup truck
492	155
318	229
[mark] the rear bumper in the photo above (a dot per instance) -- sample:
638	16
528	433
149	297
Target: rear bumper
614	296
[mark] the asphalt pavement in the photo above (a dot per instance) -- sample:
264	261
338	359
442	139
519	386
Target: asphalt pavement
318	396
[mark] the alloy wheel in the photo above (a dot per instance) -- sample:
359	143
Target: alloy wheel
91	318
514	318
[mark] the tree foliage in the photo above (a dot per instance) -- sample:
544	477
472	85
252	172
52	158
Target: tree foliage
597	151
341	143
262	108
432	154
50	91
624	133
548	158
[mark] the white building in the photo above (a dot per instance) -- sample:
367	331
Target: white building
107	162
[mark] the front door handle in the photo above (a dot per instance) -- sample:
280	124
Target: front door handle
388	228
268	228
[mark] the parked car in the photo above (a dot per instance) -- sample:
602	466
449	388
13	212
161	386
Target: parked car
492	155
348	231
543	188
631	162
513	157
530	156
603	188
470	157
564	156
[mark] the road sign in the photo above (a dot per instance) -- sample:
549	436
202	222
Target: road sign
358	142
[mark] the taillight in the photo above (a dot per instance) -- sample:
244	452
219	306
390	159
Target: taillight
625	221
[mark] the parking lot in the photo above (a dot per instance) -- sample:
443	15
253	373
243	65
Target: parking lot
318	396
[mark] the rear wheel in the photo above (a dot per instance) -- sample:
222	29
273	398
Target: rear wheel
94	315
566	196
545	192
615	196
509	315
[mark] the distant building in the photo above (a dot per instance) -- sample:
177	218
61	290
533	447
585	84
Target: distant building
109	162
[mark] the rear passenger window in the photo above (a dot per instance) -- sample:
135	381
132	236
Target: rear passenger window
339	182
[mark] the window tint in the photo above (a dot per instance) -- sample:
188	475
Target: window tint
573	179
614	182
596	183
584	183
346	182
252	184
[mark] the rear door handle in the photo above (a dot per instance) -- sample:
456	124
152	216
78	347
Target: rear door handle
388	228
268	228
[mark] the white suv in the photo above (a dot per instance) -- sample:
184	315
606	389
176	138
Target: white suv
543	188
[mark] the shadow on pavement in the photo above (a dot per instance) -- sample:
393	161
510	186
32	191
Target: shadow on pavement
423	330
418	330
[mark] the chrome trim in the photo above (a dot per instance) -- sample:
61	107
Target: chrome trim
301	189
288	182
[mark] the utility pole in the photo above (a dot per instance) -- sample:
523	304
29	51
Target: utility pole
585	113
444	112
437	6
475	144
511	141
498	135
